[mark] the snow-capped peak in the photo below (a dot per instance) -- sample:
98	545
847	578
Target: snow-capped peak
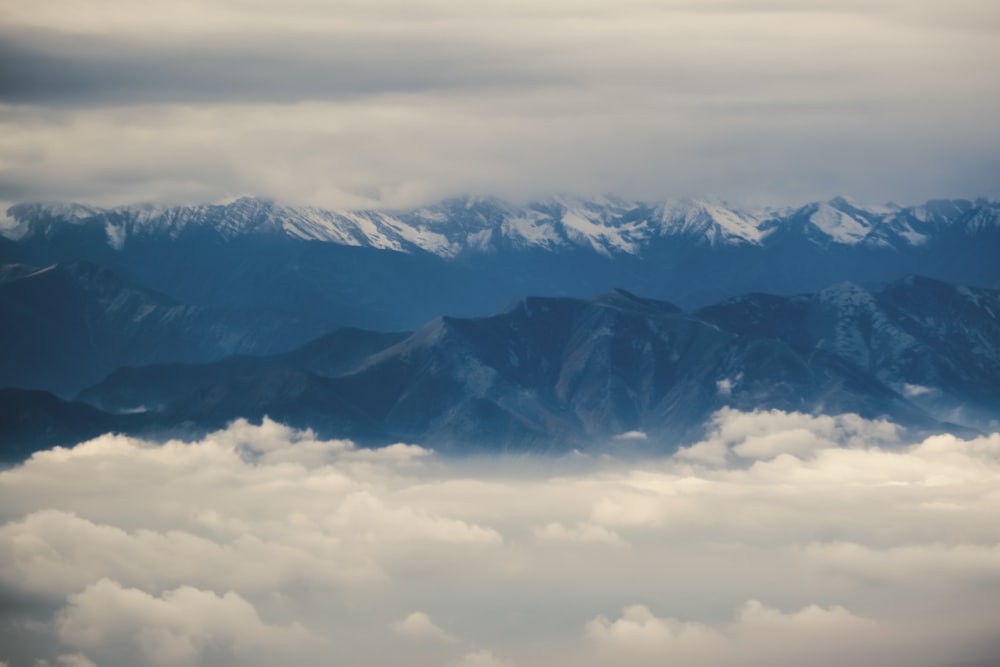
841	221
476	225
716	222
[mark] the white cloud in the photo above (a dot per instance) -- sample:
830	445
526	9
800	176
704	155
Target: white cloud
632	435
366	516
638	630
724	387
796	441
711	452
52	553
259	544
176	628
767	434
477	659
419	625
760	635
912	390
938	564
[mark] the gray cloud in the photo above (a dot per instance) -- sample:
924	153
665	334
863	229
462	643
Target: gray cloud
390	104
46	67
800	540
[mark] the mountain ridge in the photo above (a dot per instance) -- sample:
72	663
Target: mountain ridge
474	225
69	324
490	252
565	370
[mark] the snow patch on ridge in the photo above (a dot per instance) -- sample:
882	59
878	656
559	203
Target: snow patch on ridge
599	236
838	225
606	225
116	235
717	223
532	230
423	238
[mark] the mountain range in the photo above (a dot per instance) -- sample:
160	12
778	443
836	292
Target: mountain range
469	225
472	256
174	320
561	372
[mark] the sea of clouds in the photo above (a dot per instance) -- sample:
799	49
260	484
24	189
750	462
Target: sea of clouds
781	540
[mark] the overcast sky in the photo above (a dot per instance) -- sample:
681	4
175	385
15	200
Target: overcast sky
391	103
782	540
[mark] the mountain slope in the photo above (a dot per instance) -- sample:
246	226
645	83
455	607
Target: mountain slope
67	325
545	372
935	342
34	420
152	387
394	270
481	225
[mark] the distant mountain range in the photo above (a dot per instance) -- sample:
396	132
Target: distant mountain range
465	226
469	257
163	320
561	372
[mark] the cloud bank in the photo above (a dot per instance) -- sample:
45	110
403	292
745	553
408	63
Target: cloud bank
395	103
782	540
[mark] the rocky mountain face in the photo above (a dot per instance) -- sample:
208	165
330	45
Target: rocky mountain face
561	372
937	344
572	371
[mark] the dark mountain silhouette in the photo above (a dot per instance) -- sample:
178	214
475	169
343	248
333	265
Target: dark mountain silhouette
68	325
546	372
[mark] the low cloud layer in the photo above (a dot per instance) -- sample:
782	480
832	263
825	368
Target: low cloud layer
781	540
393	103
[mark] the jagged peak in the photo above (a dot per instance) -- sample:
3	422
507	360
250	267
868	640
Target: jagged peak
481	224
713	220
